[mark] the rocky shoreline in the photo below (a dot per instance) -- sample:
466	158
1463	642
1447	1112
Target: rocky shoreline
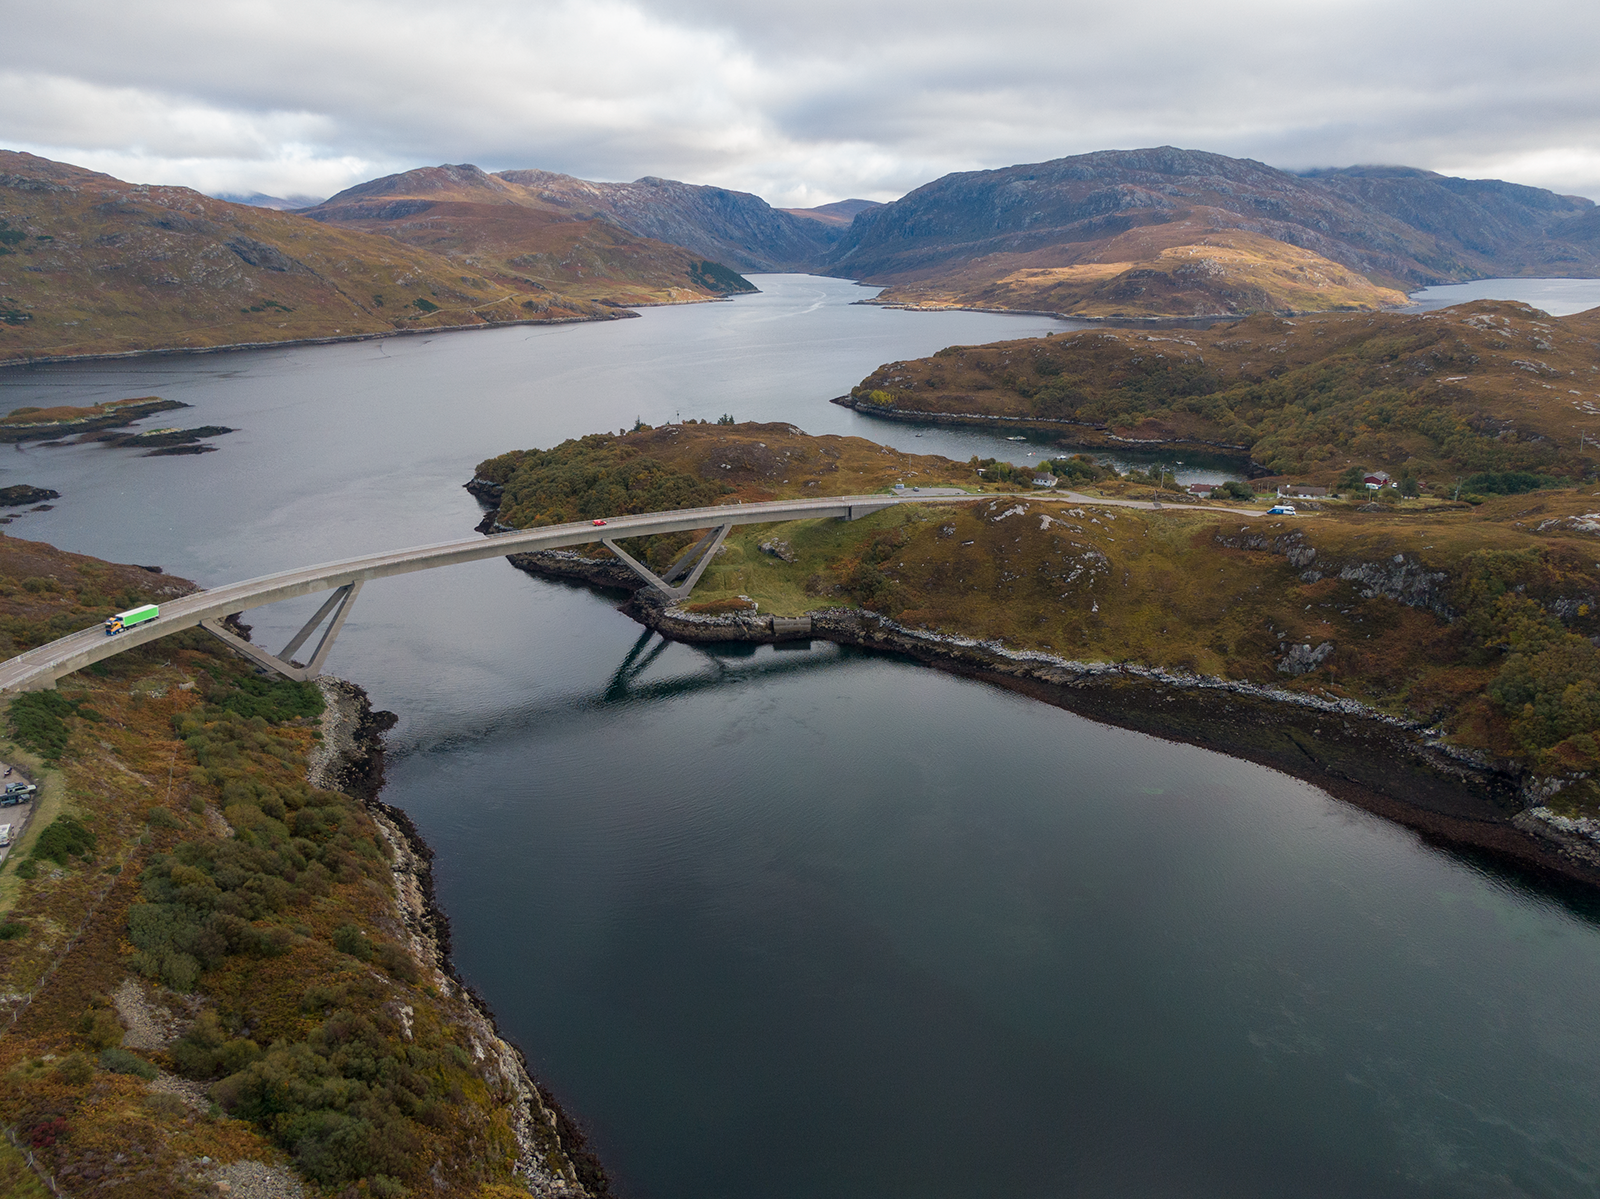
554	1160
1390	767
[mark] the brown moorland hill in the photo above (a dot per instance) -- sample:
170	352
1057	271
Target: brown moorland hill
90	264
1197	266
971	238
1483	387
487	223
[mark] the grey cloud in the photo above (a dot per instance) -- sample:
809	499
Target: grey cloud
810	102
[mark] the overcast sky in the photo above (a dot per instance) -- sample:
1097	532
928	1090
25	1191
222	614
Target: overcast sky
802	103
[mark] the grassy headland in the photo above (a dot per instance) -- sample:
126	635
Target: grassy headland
216	967
1473	621
1487	387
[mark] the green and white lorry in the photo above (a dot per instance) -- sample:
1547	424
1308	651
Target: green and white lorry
133	616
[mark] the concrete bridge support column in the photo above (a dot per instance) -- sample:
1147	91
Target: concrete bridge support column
693	560
338	604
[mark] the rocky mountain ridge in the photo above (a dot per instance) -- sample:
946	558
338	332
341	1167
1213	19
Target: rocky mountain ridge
546	238
1384	222
1167	231
737	228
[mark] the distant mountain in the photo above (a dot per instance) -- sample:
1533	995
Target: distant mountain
737	228
1182	232
496	222
262	200
91	264
840	212
1500	228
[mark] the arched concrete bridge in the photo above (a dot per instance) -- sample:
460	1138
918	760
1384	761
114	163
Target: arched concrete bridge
38	669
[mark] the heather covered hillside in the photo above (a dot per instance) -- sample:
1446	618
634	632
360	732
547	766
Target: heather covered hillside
90	264
493	223
1479	388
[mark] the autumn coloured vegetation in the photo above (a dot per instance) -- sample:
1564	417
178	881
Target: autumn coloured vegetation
1474	619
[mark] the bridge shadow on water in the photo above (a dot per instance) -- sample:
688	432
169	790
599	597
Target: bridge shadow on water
724	665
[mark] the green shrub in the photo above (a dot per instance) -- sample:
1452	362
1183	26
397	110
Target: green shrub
75	1070
120	1061
206	1050
340	1099
1511	482
347	938
995	471
65	837
12	929
1081	468
101	1028
397	961
273	701
38	721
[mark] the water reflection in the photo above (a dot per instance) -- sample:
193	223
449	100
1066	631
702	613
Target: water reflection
631	685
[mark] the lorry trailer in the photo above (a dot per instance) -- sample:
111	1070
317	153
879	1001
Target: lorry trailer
133	616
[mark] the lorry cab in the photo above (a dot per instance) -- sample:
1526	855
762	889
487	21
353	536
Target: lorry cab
126	620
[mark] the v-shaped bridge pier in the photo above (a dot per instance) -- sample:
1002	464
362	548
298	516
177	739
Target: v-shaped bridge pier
684	573
338	604
39	668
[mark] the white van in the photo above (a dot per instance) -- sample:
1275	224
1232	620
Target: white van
5	835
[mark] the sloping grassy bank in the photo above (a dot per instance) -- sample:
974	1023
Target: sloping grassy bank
214	960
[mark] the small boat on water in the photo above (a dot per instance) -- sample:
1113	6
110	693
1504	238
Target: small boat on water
1016	439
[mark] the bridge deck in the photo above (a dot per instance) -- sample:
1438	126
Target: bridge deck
40	667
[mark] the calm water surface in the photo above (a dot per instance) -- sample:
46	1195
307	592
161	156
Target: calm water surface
816	923
1558	297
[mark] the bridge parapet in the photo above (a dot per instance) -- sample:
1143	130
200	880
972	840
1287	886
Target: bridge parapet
39	668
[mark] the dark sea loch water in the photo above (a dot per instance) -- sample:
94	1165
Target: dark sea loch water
821	923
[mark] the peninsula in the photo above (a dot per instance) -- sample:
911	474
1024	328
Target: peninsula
1433	660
